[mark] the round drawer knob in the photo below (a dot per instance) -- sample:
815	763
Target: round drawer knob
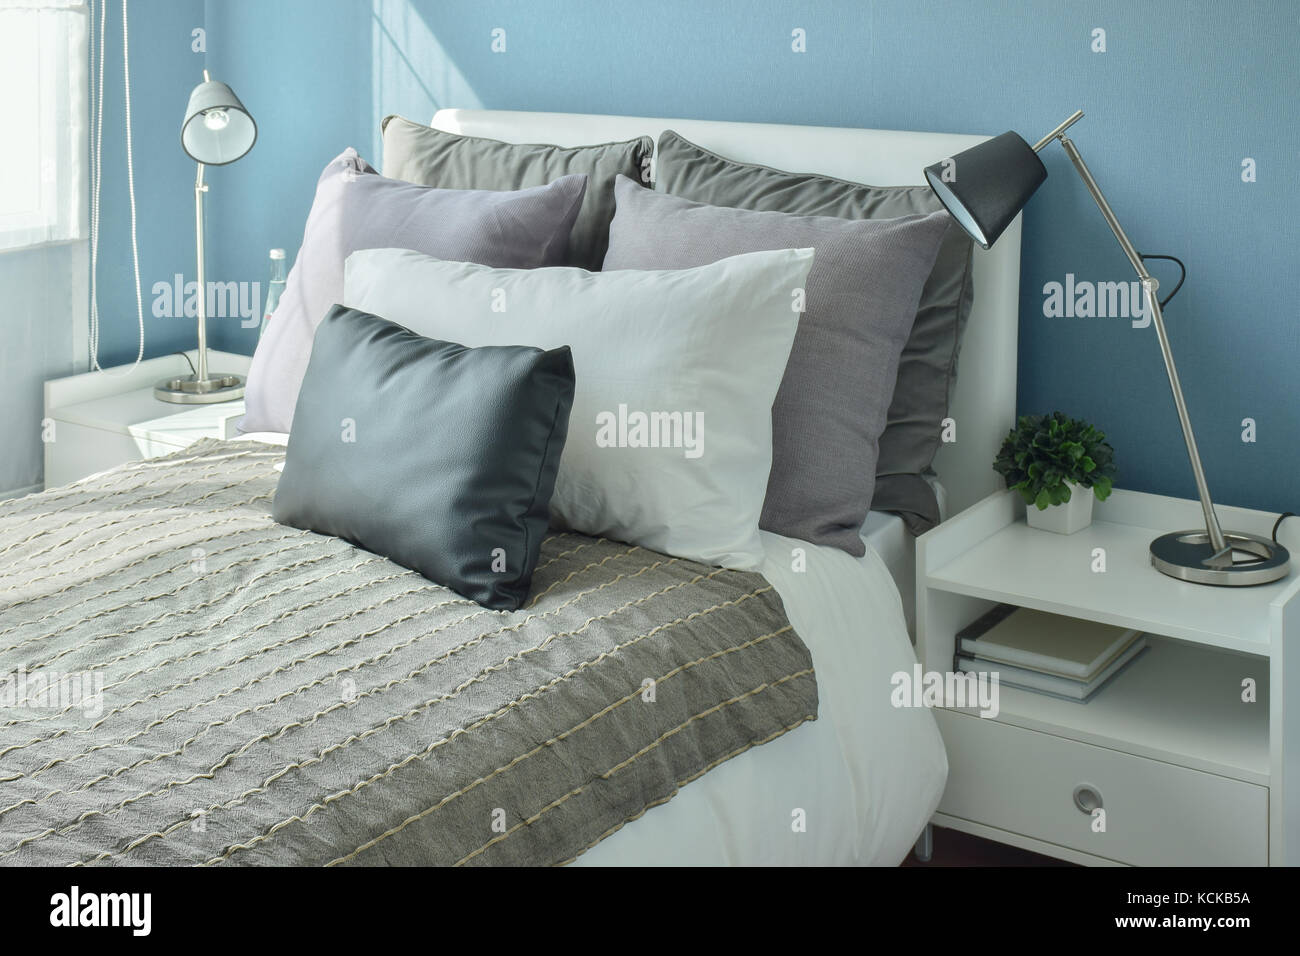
1087	798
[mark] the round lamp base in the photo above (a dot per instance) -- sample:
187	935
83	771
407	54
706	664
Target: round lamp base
1248	560
191	390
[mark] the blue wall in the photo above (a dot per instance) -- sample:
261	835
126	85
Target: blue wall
163	71
1184	92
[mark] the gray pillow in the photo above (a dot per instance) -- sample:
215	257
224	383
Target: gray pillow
861	297
432	157
927	371
442	458
356	208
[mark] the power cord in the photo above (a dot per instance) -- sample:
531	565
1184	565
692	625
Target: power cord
1278	523
184	355
1181	279
96	180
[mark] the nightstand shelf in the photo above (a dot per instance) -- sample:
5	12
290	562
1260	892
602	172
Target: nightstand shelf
1169	739
1176	702
1053	573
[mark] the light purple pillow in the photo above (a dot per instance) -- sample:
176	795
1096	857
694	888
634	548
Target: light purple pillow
356	208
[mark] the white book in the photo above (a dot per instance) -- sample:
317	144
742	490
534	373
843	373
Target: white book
1050	643
1050	684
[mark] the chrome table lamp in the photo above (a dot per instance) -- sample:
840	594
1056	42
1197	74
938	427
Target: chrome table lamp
984	188
217	131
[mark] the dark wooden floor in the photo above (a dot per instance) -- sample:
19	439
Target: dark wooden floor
954	848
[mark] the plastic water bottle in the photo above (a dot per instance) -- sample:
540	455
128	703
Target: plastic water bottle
274	288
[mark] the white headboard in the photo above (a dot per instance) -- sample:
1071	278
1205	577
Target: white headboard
985	402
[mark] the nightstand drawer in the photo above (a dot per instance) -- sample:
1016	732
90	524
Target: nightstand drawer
1155	813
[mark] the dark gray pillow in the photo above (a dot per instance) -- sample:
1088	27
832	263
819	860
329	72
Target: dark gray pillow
356	208
861	296
927	371
420	154
442	458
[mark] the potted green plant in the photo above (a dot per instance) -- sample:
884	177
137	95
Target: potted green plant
1058	464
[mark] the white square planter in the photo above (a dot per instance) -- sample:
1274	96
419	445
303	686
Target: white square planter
1074	515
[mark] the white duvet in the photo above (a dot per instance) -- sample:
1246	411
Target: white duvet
855	786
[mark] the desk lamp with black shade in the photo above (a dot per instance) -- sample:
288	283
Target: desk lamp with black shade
984	188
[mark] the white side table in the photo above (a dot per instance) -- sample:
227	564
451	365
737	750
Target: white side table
1188	772
101	419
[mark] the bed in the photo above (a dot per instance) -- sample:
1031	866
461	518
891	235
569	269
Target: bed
854	786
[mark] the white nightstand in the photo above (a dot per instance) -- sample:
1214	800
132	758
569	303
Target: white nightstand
101	419
1188	773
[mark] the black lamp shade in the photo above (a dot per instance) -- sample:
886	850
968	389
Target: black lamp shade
986	186
217	129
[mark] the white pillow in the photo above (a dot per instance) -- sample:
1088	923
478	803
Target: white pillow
657	354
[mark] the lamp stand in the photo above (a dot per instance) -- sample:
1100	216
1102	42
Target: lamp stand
200	388
1209	556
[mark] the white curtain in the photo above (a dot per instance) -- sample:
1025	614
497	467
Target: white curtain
44	121
44	198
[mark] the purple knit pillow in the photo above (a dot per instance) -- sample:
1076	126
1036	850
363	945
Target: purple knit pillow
356	208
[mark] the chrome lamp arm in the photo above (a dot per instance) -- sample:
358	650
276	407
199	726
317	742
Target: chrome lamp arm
997	177
1222	551
1211	557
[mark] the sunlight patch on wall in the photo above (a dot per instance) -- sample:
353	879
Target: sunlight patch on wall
412	72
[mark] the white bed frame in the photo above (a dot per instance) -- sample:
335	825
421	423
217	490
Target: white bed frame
984	406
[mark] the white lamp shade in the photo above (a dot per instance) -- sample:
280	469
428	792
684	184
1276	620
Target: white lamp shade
217	128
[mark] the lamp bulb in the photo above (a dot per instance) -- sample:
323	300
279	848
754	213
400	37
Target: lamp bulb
216	120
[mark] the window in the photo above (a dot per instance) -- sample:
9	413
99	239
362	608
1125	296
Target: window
43	121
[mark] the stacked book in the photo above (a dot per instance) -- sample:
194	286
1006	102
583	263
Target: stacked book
1047	653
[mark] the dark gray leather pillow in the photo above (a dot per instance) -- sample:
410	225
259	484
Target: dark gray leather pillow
927	371
861	297
431	157
442	458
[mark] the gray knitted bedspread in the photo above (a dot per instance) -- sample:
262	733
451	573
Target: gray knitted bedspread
183	681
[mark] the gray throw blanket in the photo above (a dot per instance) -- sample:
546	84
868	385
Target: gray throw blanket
183	681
